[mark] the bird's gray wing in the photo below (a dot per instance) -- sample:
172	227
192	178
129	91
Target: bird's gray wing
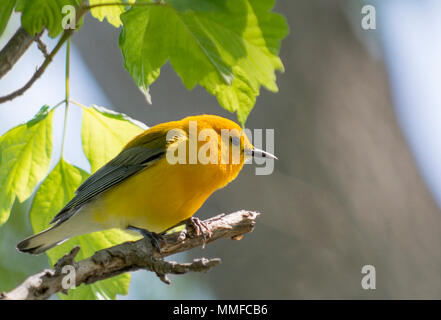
124	165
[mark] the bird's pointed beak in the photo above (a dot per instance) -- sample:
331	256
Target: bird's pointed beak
258	153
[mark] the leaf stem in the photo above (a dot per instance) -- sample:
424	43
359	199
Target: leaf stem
59	103
111	4
66	110
78	104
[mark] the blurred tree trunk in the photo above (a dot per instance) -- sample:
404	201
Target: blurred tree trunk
345	192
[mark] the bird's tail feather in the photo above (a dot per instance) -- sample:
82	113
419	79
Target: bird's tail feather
43	241
77	224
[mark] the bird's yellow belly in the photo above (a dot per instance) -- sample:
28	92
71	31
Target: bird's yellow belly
157	198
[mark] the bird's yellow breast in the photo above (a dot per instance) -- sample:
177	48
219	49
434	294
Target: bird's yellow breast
160	196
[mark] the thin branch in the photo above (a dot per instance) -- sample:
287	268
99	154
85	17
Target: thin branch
66	109
66	35
19	43
41	45
14	49
131	256
40	70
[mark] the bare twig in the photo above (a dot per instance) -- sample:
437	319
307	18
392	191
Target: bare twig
21	41
131	256
41	45
48	58
14	49
40	70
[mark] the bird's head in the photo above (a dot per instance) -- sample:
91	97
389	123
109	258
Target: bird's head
220	139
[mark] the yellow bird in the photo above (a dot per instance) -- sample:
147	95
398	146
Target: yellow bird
159	179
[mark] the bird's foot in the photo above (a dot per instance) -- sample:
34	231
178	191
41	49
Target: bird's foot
199	227
154	237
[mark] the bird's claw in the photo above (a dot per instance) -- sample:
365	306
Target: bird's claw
198	225
154	237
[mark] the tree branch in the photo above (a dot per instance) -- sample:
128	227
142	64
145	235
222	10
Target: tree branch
41	46
40	70
14	49
12	56
131	256
21	41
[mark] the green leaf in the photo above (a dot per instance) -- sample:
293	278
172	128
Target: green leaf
25	157
5	13
39	14
229	47
14	266
105	133
56	190
111	13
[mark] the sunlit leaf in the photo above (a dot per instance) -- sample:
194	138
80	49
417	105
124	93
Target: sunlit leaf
105	133
25	156
229	47
39	14
5	13
111	13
